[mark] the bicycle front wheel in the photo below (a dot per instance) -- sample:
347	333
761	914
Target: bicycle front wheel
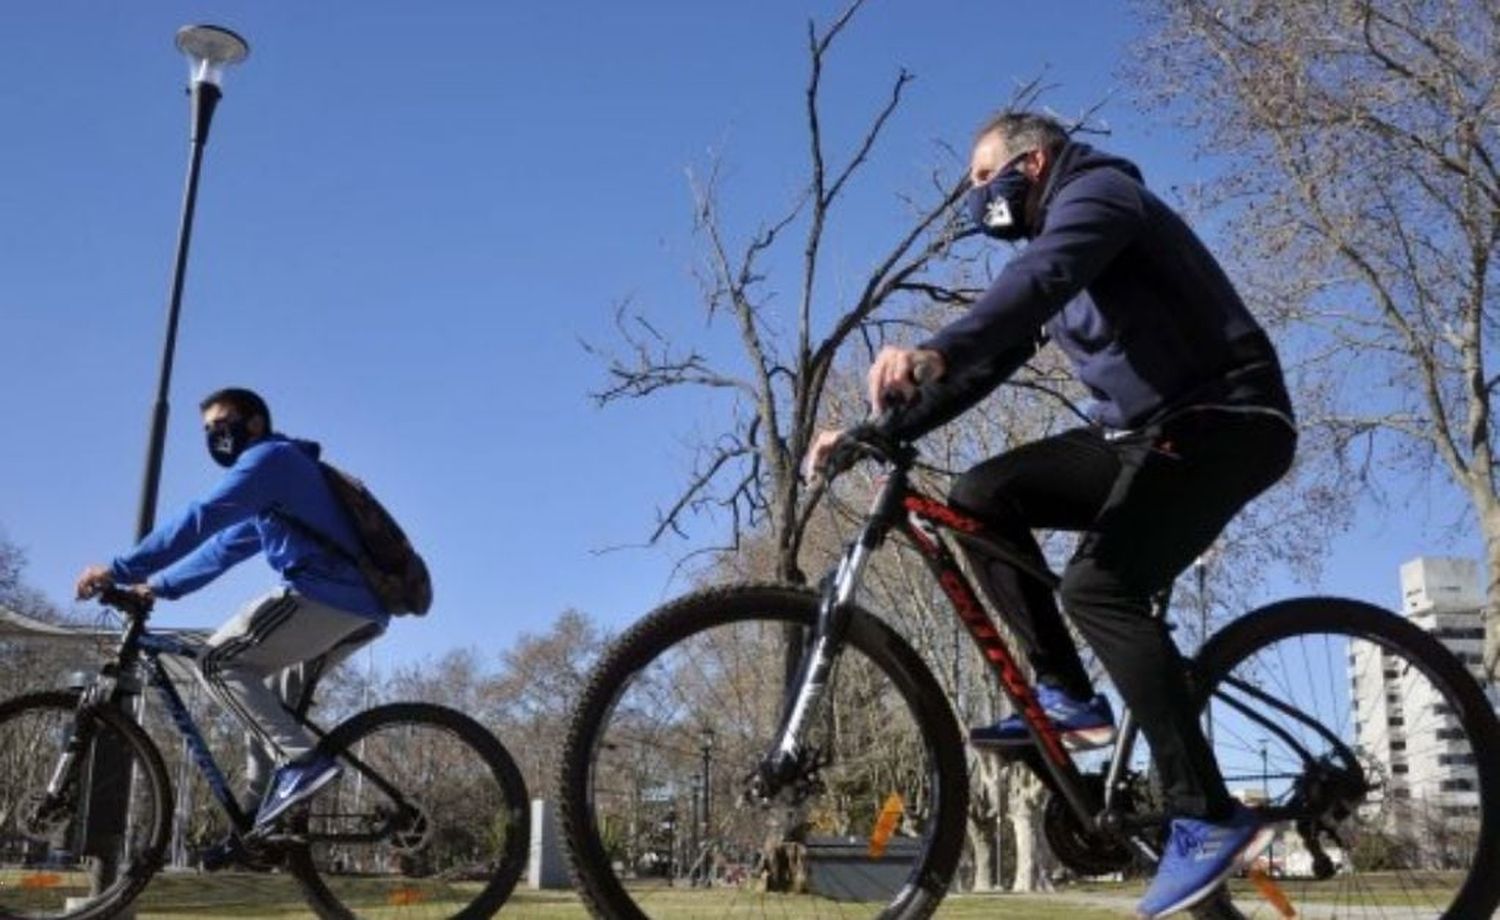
1363	726
657	799
429	818
48	846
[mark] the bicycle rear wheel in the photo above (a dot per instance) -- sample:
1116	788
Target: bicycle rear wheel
44	854
656	799
1364	723
429	818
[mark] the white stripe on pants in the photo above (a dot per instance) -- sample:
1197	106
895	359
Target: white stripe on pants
253	666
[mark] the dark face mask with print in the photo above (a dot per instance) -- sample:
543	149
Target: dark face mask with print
998	207
227	439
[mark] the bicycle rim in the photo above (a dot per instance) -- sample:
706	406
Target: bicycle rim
433	822
1395	752
657	801
45	857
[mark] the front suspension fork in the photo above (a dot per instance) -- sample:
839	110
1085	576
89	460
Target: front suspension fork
805	691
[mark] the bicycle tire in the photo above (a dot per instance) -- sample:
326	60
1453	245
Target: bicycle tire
470	819
723	629
42	882
1388	863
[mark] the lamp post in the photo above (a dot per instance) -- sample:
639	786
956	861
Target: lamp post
1200	569
209	50
1265	785
706	739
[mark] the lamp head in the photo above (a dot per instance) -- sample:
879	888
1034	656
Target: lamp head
210	49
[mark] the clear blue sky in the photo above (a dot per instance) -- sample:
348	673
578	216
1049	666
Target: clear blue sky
409	216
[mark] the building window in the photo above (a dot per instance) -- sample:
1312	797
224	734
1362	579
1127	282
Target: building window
1459	632
1450	734
1398	745
1399	768
1396	722
1457	785
1462	760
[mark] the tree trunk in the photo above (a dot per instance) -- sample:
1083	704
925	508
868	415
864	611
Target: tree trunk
1489	519
1033	860
986	814
982	845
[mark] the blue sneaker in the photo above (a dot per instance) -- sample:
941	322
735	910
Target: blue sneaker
1081	724
1199	856
295	782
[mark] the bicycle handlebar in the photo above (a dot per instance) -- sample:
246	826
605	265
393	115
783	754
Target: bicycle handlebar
871	438
127	602
874	438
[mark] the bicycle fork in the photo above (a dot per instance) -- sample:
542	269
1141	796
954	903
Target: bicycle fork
788	756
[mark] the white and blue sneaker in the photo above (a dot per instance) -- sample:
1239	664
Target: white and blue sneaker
1081	724
295	782
1198	856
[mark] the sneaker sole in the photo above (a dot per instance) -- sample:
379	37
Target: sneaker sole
262	822
1082	740
1249	851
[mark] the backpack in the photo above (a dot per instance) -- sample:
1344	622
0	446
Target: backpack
389	563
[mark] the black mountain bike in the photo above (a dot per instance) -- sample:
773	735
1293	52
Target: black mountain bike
429	817
764	750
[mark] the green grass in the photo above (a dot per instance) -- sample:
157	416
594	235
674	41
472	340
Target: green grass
225	896
244	895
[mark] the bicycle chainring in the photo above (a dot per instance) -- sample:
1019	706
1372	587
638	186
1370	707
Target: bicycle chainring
1088	853
409	830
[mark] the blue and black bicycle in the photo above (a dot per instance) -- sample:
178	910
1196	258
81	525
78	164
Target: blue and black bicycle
429	817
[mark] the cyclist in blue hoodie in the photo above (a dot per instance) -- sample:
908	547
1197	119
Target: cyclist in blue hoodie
1191	420
272	500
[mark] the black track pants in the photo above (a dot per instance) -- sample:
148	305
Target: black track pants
1148	502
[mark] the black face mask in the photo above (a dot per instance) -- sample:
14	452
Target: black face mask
228	439
998	207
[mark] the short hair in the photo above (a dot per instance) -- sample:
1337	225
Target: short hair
246	402
1031	130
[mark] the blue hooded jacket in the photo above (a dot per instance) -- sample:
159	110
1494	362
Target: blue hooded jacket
1141	308
240	518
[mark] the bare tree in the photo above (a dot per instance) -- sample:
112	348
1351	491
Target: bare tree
1363	143
540	679
750	470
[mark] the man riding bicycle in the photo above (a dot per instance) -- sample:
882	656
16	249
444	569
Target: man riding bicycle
1191	422
273	499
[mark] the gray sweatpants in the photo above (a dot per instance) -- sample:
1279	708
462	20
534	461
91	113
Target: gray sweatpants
257	663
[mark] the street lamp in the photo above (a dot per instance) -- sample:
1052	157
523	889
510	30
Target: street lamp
209	50
707	745
1265	785
1200	569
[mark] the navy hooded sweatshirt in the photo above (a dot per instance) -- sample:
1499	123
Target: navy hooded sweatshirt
246	514
1117	279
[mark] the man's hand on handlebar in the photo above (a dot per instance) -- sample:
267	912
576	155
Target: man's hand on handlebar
96	578
897	372
893	382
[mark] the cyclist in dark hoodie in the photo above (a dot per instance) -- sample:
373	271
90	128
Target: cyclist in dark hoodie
273	499
1191	421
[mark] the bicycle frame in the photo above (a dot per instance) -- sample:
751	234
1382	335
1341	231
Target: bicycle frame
137	643
900	508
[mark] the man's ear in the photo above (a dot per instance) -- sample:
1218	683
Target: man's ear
256	426
1040	161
